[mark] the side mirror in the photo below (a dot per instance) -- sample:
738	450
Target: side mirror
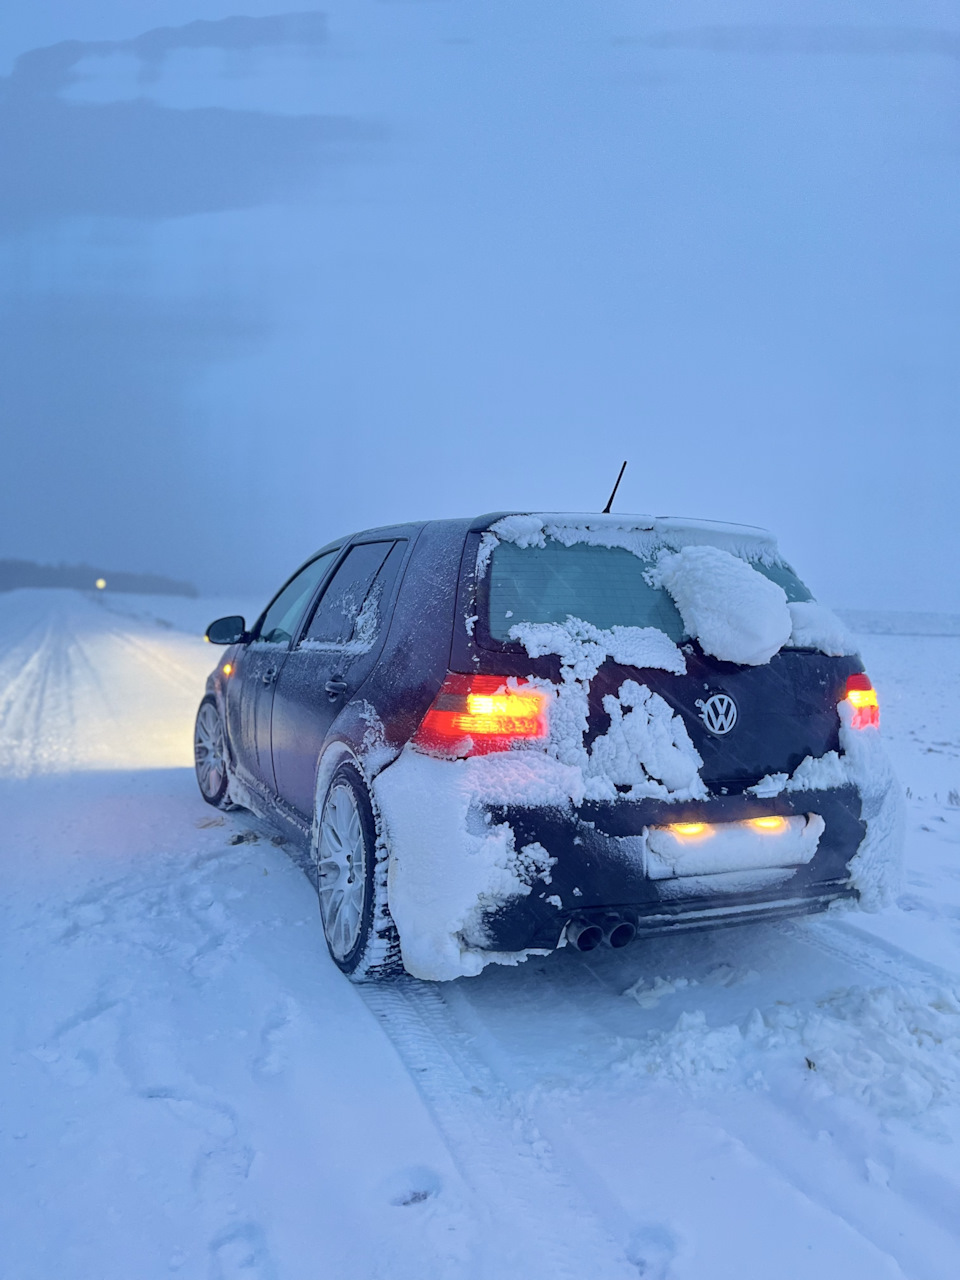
232	630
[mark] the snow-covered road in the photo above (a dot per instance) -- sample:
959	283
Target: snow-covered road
188	1086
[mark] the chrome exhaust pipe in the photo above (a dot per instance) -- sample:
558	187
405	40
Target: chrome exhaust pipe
618	932
584	935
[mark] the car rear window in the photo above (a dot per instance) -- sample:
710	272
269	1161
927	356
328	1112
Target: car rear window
602	585
784	577
605	586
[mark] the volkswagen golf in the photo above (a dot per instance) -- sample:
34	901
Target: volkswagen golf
487	738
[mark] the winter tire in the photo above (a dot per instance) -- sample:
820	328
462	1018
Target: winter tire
352	881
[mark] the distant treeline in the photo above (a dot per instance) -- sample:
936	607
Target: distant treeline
84	577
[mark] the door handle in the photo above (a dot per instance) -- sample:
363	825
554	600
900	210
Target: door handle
269	676
335	688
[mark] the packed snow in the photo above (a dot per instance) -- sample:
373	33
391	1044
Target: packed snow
730	847
641	535
864	763
192	1088
814	626
447	866
736	613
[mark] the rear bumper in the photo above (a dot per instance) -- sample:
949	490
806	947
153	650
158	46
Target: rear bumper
600	867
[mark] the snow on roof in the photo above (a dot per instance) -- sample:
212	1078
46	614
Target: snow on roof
633	532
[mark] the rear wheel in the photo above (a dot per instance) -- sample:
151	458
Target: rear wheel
209	753
352	882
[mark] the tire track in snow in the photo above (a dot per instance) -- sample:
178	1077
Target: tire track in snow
832	1156
537	1220
78	690
37	720
844	941
160	660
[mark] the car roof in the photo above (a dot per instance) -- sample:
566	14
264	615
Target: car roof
592	520
626	520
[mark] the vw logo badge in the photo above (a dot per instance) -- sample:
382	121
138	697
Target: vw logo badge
719	713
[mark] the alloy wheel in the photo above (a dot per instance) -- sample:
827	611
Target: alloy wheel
209	752
342	870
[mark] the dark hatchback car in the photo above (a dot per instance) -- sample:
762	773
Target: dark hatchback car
491	737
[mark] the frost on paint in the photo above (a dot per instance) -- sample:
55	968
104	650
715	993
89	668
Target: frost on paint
736	613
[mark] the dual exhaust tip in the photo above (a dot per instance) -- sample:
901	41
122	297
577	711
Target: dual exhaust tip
612	931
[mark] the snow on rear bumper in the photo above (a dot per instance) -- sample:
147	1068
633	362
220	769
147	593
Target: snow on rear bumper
600	866
490	857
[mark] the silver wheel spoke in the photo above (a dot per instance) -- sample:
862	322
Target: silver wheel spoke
208	750
341	872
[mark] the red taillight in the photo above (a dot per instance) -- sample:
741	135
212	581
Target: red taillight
862	697
472	715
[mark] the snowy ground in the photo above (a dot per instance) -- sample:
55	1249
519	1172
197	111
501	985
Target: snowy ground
189	1087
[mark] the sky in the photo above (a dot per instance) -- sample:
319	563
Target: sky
268	276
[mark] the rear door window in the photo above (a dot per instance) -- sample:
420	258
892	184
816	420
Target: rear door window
350	611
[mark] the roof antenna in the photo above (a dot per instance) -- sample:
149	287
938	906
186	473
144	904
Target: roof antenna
606	509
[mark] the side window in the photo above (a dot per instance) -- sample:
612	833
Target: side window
281	619
350	611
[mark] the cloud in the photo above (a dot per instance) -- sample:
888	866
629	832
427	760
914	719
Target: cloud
137	159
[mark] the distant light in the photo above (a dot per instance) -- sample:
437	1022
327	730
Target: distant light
100	583
227	668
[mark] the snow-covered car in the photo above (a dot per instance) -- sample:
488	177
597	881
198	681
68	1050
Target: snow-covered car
489	738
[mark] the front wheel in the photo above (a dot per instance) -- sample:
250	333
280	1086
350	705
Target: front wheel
210	756
352	882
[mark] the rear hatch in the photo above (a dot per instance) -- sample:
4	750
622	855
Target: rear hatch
744	721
